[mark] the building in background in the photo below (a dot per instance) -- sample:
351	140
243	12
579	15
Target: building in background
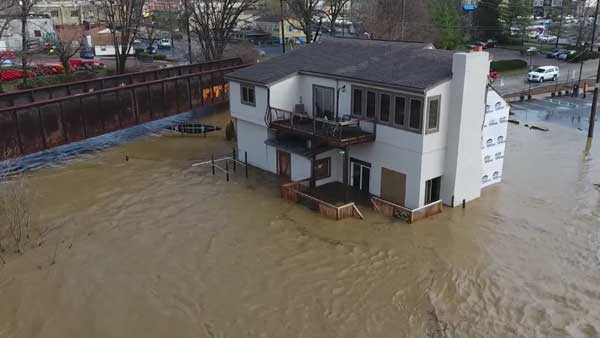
67	12
40	30
493	138
398	121
163	6
272	25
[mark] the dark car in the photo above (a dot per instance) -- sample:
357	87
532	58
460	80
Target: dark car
86	53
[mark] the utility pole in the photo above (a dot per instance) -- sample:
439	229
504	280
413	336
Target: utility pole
282	26
595	99
562	11
187	29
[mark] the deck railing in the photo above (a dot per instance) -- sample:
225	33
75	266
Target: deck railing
346	130
297	192
391	209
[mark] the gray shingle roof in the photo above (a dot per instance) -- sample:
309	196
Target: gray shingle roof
397	64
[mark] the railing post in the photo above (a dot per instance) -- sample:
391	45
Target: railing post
62	121
82	117
227	169
212	163
234	160
149	93
134	106
246	162
189	86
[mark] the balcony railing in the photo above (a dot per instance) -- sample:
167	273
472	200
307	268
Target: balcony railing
344	132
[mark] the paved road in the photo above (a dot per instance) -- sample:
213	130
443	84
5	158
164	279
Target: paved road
569	72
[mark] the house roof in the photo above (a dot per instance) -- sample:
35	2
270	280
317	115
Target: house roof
407	65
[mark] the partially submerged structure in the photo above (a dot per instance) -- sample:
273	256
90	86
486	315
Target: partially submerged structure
397	122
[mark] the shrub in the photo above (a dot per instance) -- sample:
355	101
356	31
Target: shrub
583	56
508	65
160	57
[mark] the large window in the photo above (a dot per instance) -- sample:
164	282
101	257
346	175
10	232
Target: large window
416	114
248	95
433	114
371	104
399	110
384	107
323	168
324	102
357	101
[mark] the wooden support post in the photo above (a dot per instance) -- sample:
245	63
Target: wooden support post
134	106
227	169
189	87
246	162
149	93
82	118
212	163
42	132
62	121
234	160
18	130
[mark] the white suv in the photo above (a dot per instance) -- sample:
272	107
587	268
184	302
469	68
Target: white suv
544	73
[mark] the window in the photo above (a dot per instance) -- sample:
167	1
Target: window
75	13
384	107
416	114
357	102
433	114
54	13
399	109
37	33
324	102
371	104
323	168
248	95
432	190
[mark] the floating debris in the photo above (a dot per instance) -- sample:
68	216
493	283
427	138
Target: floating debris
538	128
513	121
193	128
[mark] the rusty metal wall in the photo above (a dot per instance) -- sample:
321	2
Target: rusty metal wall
21	97
40	125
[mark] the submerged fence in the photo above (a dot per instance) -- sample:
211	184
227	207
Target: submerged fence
35	126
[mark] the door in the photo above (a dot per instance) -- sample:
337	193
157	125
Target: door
361	176
393	186
323	102
284	164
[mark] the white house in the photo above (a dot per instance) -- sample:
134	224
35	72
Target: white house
399	121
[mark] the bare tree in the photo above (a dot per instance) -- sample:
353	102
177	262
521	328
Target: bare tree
25	7
333	10
397	20
213	22
307	16
8	11
67	43
123	18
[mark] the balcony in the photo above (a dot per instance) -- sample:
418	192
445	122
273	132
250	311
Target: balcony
341	133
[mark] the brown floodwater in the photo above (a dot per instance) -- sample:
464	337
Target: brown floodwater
152	247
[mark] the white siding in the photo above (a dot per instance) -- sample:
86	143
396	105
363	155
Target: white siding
465	119
254	114
251	138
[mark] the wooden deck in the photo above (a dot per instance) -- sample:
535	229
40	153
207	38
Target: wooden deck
333	133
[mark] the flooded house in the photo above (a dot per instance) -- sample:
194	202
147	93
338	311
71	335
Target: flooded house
398	123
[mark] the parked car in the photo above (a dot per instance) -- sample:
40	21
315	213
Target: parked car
555	53
543	73
547	38
8	63
565	55
164	44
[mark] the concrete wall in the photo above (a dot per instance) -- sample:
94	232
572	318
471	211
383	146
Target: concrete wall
462	179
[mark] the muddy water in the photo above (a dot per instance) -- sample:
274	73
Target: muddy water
154	248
